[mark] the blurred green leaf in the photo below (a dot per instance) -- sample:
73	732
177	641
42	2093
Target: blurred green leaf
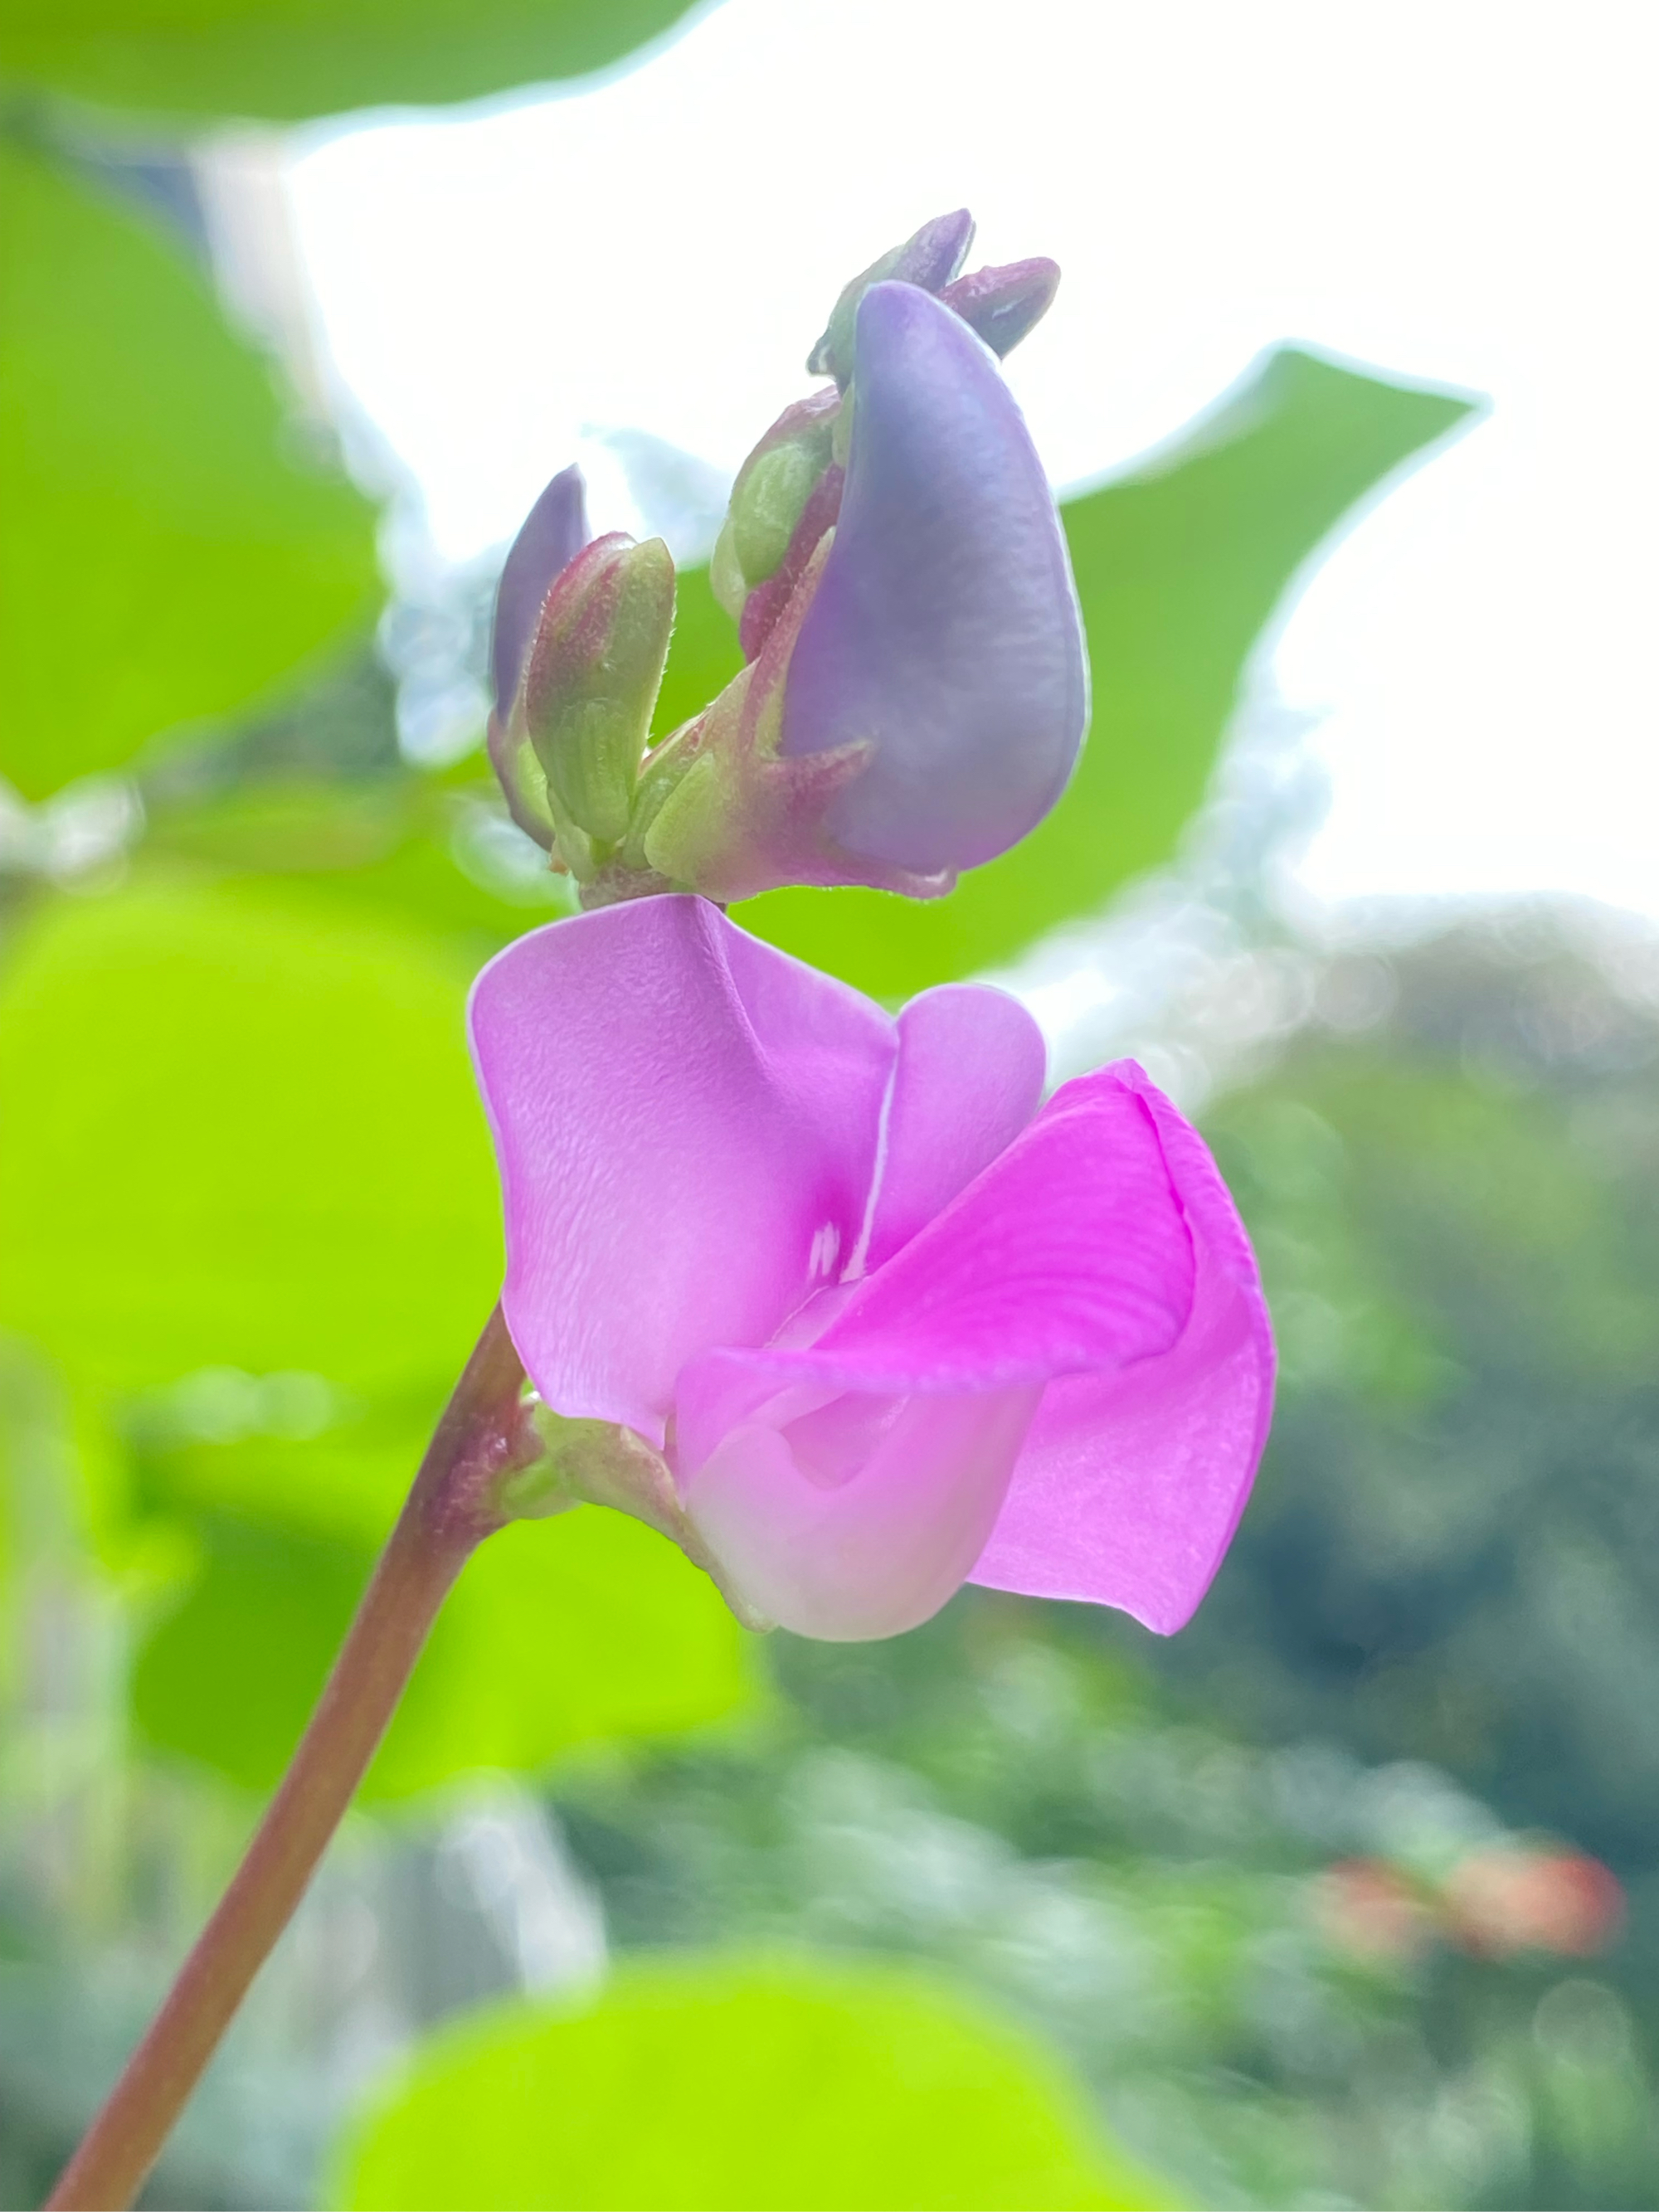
1180	566
287	58
161	557
586	1628
242	1157
733	2083
237	1133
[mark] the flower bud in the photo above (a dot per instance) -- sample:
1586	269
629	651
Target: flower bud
929	258
944	629
768	498
593	676
1005	304
915	692
555	531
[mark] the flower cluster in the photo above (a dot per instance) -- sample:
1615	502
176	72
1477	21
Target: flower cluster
831	1297
915	688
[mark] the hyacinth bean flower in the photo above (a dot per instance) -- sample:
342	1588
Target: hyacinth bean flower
916	691
832	1299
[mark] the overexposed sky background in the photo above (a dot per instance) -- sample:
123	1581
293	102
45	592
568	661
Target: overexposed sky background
1460	193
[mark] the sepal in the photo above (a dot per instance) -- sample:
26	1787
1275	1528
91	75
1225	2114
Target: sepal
604	1463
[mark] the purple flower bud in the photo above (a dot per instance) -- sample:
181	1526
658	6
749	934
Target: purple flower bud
555	531
944	630
930	258
1003	305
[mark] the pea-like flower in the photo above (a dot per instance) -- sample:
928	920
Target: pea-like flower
916	689
832	1299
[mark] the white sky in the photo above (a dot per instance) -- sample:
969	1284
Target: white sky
1459	193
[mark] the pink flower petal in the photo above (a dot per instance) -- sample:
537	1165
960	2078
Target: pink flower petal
1069	1255
969	1078
820	1474
1131	1483
686	1123
861	1519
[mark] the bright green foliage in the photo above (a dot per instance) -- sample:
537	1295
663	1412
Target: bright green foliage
1180	566
235	1134
287	58
736	2083
585	1627
239	1139
162	557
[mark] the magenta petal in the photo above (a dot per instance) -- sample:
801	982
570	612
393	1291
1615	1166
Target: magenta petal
1131	1483
970	1076
1067	1255
686	1123
860	1519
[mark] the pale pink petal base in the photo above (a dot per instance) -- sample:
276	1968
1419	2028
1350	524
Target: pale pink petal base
864	1532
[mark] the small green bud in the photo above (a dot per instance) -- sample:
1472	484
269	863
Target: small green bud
768	505
769	498
594	671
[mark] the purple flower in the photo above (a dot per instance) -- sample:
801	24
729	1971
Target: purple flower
879	1323
944	629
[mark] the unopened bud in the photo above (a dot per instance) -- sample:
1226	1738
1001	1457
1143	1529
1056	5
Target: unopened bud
943	629
929	257
554	532
915	688
1004	305
594	670
768	498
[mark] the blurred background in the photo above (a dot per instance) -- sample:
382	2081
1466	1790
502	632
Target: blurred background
1349	1894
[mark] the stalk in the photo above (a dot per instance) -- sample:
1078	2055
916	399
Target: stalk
449	1510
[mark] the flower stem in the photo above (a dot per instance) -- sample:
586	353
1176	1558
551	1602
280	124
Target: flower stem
449	1510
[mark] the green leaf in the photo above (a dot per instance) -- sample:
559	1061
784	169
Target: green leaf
246	1188
287	58
586	1628
162	557
733	2083
1180	567
238	1133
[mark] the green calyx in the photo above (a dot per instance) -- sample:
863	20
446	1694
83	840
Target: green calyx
586	1462
594	673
